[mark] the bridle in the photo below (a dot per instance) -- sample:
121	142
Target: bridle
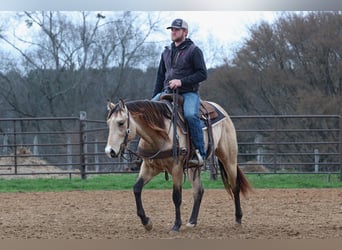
128	130
125	141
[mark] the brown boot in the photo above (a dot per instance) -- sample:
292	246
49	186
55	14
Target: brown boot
196	160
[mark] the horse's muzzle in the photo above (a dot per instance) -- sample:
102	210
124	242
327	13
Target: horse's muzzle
110	152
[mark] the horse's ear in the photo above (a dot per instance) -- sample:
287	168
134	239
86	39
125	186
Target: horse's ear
122	104
110	105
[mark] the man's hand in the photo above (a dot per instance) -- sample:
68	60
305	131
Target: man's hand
175	83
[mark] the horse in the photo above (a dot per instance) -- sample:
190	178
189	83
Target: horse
151	121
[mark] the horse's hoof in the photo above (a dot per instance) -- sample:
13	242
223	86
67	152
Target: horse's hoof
190	224
149	225
238	224
174	231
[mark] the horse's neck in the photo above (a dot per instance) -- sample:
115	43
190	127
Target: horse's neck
147	134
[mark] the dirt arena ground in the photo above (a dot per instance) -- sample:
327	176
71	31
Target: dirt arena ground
268	214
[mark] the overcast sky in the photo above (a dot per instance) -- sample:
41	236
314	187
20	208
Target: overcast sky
226	26
226	29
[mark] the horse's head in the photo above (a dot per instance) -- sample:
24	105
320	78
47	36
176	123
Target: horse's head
118	121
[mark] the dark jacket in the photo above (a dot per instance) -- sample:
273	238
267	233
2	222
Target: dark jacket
184	62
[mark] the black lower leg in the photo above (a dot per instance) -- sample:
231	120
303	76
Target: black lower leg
238	211
177	200
137	193
197	203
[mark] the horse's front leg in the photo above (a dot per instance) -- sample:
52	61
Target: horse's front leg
143	178
177	200
197	191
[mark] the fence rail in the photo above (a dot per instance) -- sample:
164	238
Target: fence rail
75	145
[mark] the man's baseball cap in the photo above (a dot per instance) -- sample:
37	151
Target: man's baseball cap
178	24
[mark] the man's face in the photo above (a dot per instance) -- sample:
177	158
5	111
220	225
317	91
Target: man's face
178	35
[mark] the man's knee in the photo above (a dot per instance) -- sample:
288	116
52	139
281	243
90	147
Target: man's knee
156	97
190	117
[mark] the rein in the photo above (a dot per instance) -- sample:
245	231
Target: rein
159	154
175	146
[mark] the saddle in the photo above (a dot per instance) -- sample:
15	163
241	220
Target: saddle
208	113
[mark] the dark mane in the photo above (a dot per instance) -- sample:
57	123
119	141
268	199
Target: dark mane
152	113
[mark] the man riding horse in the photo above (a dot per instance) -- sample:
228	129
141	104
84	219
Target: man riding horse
182	67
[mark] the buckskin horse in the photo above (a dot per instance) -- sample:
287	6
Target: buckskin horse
151	121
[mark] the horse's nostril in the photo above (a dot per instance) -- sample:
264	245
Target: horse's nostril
112	153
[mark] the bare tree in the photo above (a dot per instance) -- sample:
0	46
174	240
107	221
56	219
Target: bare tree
289	65
61	60
129	37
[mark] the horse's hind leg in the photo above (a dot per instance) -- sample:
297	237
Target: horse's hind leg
232	185
238	210
144	177
227	155
197	192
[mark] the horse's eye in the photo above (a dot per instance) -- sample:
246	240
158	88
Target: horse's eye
121	123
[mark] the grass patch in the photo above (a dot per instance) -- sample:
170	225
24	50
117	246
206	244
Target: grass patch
126	182
295	181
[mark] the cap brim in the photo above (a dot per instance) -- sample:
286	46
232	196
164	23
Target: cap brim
176	27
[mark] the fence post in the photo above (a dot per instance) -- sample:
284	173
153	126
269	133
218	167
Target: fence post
5	143
83	116
69	154
96	149
260	157
316	160
15	147
35	145
340	132
276	146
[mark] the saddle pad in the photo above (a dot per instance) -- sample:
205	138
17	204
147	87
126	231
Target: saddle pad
207	109
214	114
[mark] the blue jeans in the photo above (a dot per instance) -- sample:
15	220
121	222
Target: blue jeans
191	109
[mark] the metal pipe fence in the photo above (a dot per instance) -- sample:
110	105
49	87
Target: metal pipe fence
75	146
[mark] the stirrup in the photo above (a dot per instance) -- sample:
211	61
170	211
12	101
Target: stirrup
197	160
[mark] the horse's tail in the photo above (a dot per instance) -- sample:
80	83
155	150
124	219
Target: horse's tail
241	181
225	180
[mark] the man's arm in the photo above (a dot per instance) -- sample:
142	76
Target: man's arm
200	69
158	87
